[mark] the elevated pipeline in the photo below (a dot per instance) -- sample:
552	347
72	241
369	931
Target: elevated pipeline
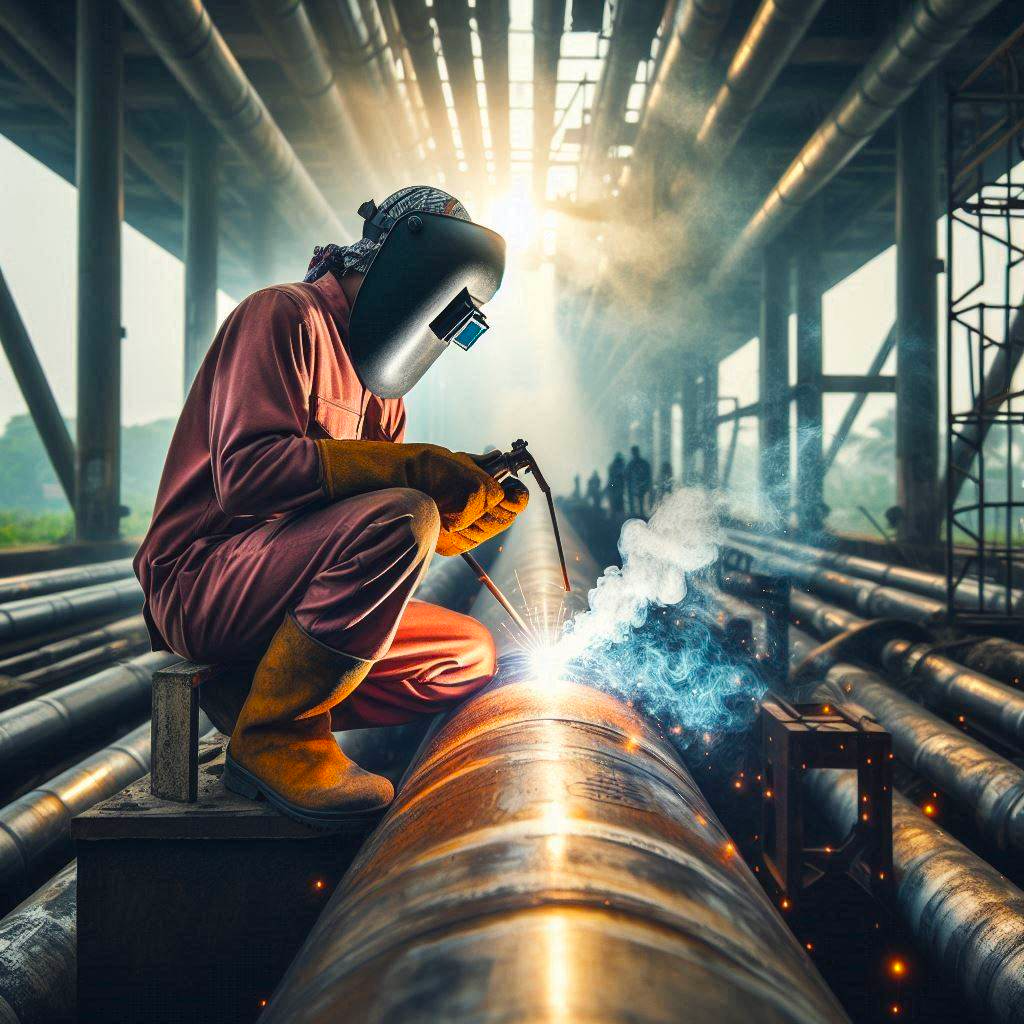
549	858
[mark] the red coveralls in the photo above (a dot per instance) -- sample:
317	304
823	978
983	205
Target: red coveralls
242	533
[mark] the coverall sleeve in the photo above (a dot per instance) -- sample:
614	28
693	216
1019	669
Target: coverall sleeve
395	425
262	461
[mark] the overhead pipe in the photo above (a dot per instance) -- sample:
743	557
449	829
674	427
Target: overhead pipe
419	38
194	51
36	584
492	22
689	43
918	43
968	917
548	22
945	682
300	55
550	831
38	824
452	18
45	726
22	620
38	954
632	32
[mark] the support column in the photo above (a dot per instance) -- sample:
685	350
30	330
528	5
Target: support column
710	419
201	230
773	376
810	476
917	391
692	417
99	167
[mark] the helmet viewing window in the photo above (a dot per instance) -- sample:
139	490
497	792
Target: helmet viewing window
461	321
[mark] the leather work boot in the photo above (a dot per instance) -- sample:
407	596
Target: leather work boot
282	750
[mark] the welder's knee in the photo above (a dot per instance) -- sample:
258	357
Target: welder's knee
416	512
478	654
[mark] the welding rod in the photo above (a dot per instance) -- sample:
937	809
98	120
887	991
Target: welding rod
481	575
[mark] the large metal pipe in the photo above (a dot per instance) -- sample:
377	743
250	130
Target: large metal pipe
457	47
36	584
194	51
548	832
99	174
967	916
548	22
21	620
632	31
991	704
119	631
38	954
44	726
919	41
300	55
42	406
492	21
36	825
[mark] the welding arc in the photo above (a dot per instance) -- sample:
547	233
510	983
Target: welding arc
481	575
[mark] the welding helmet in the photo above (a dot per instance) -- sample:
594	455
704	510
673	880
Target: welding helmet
422	292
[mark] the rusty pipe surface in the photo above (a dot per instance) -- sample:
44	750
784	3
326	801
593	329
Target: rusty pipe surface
968	917
549	858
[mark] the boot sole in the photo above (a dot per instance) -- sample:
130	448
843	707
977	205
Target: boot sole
241	781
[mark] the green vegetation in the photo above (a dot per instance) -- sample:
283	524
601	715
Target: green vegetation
35	510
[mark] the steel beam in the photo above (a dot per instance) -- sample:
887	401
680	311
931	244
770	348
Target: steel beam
194	51
201	217
548	20
810	473
709	441
692	415
492	19
773	377
917	345
452	18
925	33
99	173
35	389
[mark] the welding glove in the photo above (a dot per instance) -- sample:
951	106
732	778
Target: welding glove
462	491
490	524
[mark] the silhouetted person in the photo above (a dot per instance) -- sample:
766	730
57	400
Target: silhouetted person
665	480
594	491
616	489
577	493
638	482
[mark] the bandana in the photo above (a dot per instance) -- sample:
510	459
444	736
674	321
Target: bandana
342	258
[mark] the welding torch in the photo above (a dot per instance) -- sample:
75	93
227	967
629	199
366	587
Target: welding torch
501	465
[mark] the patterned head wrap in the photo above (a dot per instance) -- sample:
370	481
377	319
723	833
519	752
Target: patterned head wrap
379	221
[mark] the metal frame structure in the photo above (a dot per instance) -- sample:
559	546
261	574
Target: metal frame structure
984	526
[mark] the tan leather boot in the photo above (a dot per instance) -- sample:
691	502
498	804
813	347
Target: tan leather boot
282	749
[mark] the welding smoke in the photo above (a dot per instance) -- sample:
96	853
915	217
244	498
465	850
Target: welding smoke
638	639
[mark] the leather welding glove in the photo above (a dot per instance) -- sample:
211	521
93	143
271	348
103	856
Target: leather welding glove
490	524
462	491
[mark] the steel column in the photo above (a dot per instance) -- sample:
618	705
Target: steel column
710	424
548	20
99	173
492	19
917	387
35	389
810	472
691	421
201	212
773	376
452	18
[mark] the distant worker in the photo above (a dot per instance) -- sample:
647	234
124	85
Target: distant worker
616	489
666	481
638	482
292	523
594	490
577	493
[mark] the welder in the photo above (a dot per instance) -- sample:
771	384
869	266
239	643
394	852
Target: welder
293	523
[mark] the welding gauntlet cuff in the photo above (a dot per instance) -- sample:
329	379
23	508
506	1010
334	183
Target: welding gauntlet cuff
462	491
490	524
